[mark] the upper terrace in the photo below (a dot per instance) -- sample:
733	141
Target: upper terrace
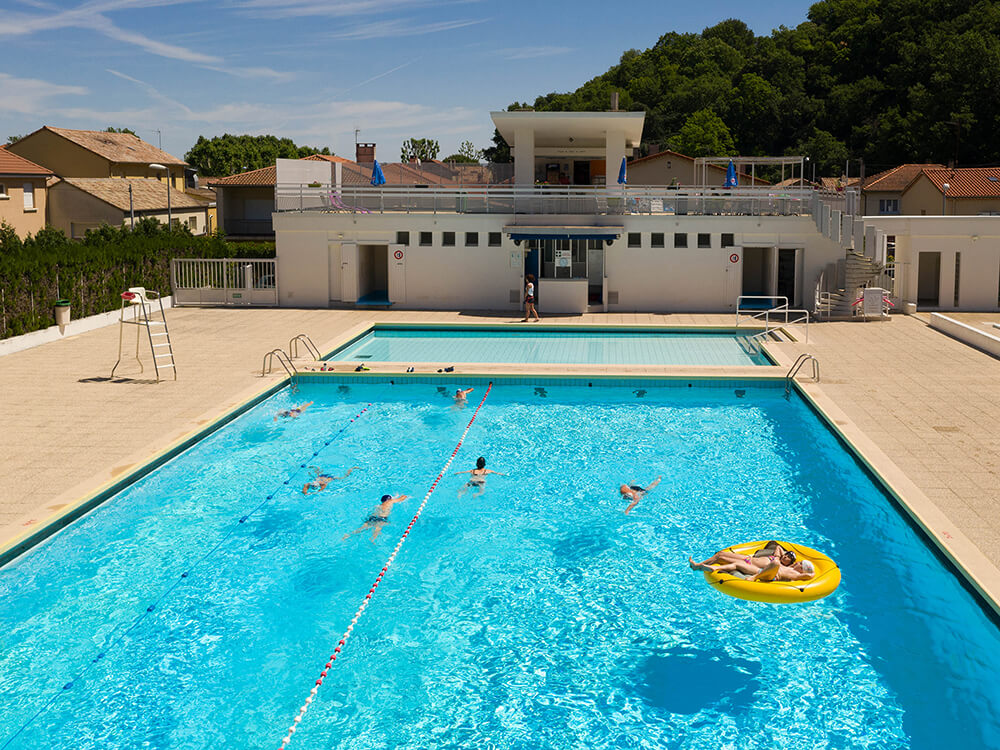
325	195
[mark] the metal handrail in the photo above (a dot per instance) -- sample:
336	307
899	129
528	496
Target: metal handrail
754	344
284	359
293	346
803	318
794	370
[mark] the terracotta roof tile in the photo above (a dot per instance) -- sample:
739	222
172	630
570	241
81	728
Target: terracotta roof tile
12	164
116	147
147	195
328	157
968	182
897	179
263	177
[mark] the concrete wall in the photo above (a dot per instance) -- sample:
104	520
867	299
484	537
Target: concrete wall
976	238
310	250
980	339
12	210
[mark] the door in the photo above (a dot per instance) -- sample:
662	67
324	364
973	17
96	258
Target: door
581	173
929	279
734	275
532	260
349	273
595	271
787	275
397	274
335	272
756	271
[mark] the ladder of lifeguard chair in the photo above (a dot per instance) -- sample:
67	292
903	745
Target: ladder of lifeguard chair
159	340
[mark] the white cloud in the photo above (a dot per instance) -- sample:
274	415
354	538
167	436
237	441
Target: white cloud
30	96
401	27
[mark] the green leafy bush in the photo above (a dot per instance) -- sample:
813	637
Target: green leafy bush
36	271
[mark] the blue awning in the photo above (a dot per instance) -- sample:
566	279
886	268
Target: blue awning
519	233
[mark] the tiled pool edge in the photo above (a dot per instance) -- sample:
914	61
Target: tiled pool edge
967	559
88	501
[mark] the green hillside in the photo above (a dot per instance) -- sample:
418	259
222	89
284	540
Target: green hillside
888	81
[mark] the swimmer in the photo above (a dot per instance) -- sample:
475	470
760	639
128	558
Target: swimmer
319	481
478	478
293	412
460	395
635	493
378	517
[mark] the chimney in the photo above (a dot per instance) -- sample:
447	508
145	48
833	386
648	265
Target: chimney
654	148
614	101
364	153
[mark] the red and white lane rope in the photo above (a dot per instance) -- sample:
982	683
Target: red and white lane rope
378	580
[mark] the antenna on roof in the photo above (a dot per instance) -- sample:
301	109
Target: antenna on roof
159	139
357	132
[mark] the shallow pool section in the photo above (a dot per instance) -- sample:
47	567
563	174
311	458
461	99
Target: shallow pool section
198	606
536	345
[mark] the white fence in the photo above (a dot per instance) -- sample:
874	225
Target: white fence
506	199
226	281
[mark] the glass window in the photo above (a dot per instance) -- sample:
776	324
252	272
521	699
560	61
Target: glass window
728	240
402	238
680	239
448	239
656	239
193	223
29	196
634	239
494	239
426	239
472	239
562	259
704	239
3	190
888	205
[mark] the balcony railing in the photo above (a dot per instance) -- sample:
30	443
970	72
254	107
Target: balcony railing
545	199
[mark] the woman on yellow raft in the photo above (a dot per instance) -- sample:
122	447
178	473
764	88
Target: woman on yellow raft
777	572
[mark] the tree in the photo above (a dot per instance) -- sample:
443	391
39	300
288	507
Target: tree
499	152
120	130
705	134
13	138
466	154
424	149
231	154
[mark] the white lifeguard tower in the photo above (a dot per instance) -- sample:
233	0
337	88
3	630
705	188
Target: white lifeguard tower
140	301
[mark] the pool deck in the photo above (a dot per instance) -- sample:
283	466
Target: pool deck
921	408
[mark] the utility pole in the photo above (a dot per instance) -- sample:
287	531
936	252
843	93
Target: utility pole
159	139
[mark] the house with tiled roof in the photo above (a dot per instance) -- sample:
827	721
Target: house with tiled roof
77	204
882	193
23	194
967	191
674	168
91	155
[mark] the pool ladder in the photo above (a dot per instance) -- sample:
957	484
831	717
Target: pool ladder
293	346
799	364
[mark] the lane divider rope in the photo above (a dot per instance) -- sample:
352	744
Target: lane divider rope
378	579
116	639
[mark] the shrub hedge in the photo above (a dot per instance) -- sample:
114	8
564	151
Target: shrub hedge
92	274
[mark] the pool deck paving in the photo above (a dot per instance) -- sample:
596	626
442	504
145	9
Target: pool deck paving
922	408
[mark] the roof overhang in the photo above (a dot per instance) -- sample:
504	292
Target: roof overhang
570	129
519	232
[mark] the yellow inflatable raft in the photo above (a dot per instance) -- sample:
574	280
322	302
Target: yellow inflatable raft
823	583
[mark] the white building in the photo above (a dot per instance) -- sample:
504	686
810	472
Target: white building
591	242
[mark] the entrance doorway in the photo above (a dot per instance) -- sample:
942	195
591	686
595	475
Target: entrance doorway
532	260
373	275
787	275
929	279
756	271
581	173
595	272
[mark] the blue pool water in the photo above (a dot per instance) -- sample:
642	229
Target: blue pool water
538	615
537	346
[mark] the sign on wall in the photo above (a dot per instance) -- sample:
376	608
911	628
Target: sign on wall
563	258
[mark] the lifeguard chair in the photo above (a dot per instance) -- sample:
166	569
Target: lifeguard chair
141	302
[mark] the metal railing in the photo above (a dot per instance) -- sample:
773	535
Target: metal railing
224	281
753	345
542	199
293	347
758	305
283	359
794	370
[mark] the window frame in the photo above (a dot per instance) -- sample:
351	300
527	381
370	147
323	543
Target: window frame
680	239
447	239
429	237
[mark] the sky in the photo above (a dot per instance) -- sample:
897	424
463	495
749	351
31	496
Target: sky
317	70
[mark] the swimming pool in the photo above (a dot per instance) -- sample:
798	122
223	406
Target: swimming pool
197	607
538	345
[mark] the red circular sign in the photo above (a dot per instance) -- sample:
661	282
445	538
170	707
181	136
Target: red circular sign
734	258
398	255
